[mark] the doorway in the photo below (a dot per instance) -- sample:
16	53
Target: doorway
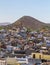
33	55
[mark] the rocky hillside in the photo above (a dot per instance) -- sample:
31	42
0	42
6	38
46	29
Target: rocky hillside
28	22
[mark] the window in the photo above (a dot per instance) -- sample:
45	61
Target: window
33	55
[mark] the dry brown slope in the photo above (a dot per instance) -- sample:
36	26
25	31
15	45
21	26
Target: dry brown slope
29	22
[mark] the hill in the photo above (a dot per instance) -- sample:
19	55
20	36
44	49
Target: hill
28	22
4	24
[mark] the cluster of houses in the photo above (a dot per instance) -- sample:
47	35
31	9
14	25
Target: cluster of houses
19	40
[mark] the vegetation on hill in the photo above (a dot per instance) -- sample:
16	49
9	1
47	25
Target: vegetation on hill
1	27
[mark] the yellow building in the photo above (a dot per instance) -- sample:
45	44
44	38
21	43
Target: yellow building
40	56
12	61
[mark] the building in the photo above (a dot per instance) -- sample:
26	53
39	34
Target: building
3	62
12	61
40	56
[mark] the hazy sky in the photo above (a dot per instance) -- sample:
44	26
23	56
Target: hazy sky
11	10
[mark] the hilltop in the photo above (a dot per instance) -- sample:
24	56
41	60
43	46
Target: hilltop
28	22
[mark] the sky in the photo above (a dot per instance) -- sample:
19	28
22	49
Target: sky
11	10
